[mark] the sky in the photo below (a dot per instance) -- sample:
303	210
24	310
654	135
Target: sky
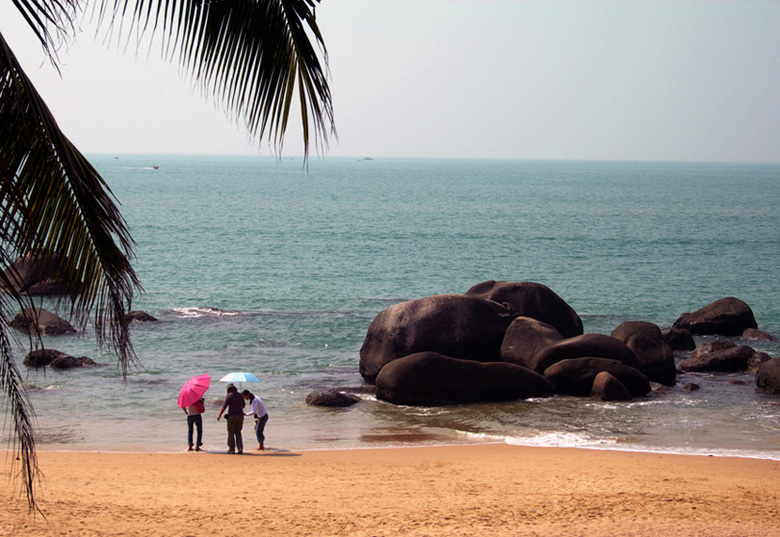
579	80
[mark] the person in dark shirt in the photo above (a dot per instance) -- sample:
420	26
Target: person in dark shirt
234	403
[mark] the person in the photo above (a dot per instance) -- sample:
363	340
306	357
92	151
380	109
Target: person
261	417
195	420
234	404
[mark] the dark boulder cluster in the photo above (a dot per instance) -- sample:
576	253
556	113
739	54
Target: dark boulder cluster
55	359
501	341
35	273
38	321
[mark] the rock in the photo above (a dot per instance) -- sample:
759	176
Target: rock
55	359
712	346
575	376
727	317
35	273
432	379
42	357
331	398
67	362
755	361
647	342
37	321
466	327
524	338
728	359
607	388
138	316
678	339
691	387
768	376
586	345
753	334
529	299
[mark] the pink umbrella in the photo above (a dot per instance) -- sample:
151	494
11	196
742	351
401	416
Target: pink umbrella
193	390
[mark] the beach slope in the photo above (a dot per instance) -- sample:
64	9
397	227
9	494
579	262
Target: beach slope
496	490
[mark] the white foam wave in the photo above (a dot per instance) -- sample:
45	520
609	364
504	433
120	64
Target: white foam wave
196	313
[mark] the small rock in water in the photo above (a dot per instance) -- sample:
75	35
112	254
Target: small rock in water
331	398
691	387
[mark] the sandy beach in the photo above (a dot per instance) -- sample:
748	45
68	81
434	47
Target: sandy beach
462	490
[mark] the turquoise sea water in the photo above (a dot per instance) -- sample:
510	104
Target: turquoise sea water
256	265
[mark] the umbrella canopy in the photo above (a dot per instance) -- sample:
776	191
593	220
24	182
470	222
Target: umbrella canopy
193	390
239	376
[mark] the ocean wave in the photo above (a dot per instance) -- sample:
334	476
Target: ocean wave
198	312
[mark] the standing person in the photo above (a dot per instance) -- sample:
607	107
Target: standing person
234	404
261	417
194	419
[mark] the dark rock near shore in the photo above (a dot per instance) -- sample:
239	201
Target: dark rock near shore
138	316
691	387
754	334
607	388
734	358
55	359
524	338
575	376
68	362
466	327
727	317
586	345
648	344
678	339
37	321
35	273
768	376
755	361
432	379
529	299
331	398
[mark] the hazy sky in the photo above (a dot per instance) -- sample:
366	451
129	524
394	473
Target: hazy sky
618	80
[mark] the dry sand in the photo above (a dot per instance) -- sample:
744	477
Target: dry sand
492	490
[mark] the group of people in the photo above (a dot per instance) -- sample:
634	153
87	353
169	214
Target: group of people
235	403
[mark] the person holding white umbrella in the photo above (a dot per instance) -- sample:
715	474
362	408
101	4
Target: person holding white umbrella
234	403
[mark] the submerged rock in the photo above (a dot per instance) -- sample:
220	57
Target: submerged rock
38	321
331	398
728	317
138	316
768	376
734	358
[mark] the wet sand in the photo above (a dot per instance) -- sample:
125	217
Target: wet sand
496	490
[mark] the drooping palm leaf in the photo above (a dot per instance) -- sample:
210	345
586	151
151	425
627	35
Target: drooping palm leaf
55	201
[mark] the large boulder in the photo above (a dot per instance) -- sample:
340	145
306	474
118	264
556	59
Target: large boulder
575	376
768	376
730	358
331	398
432	379
524	338
586	345
647	342
35	273
727	317
678	339
38	321
607	388
529	299
459	326
55	359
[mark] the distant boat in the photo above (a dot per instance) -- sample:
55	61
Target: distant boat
365	159
155	167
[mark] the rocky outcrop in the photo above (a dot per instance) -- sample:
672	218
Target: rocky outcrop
35	273
725	358
432	379
678	339
607	388
331	398
575	376
138	316
727	317
529	299
38	321
524	338
586	345
754	334
466	327
647	342
768	376
55	359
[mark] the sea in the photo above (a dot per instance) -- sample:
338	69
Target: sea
277	267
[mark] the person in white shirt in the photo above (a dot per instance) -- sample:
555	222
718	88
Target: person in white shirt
261	417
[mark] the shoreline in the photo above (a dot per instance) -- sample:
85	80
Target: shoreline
495	489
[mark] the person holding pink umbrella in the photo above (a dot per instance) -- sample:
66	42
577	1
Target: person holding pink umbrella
191	401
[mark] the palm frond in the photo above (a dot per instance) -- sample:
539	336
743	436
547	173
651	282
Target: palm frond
250	54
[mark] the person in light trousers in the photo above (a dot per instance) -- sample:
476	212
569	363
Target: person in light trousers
261	417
